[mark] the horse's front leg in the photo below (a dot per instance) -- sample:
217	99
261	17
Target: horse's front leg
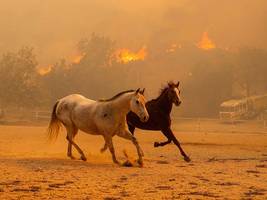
169	134
109	144
158	144
104	148
127	135
131	128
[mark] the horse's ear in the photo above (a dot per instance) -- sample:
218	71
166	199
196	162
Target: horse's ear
178	83
142	91
137	91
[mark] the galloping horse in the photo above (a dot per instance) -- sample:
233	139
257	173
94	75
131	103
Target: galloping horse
103	117
159	110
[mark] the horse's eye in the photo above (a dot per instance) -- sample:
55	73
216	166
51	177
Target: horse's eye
137	102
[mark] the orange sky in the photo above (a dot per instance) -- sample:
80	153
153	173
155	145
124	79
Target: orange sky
54	27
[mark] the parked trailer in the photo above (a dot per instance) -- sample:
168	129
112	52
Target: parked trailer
245	108
234	109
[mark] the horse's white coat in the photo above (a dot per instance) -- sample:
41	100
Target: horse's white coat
107	118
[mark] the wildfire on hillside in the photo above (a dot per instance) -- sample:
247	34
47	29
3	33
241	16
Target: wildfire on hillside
125	55
205	43
76	59
43	70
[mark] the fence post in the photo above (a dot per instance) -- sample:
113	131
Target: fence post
233	125
198	124
36	115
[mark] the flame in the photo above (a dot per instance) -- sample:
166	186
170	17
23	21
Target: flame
125	55
76	59
43	70
205	43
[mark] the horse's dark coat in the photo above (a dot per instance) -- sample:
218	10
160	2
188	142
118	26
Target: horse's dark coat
159	111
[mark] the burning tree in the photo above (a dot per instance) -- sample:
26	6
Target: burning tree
205	42
95	51
125	55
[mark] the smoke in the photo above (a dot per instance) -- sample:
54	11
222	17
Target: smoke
54	27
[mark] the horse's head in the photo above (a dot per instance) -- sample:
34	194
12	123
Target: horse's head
174	93
138	105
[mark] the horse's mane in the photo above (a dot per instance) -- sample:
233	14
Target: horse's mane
116	96
163	89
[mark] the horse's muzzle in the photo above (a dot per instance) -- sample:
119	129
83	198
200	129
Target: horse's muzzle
144	119
177	103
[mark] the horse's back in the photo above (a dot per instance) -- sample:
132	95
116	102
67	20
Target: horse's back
78	110
75	100
69	104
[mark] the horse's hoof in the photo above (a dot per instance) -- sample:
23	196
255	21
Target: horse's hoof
156	144
140	162
187	159
72	158
127	163
102	150
83	158
116	162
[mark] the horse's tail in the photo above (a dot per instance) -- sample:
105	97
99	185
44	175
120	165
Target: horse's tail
54	124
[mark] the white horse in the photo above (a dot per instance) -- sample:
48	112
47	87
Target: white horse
103	117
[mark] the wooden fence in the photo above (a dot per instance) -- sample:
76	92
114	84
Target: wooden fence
179	123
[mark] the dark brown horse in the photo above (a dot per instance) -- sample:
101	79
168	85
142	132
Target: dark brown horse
159	110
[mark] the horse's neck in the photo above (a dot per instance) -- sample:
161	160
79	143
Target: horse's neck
122	104
164	102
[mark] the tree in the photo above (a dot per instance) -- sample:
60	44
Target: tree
18	77
89	76
97	51
251	70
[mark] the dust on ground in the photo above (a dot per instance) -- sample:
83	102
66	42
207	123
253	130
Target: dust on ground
223	166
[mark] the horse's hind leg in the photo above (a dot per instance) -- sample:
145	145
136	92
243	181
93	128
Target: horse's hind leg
71	132
69	153
71	136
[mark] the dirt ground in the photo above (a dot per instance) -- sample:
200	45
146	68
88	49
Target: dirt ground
224	166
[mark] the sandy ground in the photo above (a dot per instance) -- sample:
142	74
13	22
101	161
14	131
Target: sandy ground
224	166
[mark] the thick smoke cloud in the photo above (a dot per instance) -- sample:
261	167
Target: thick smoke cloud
54	27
